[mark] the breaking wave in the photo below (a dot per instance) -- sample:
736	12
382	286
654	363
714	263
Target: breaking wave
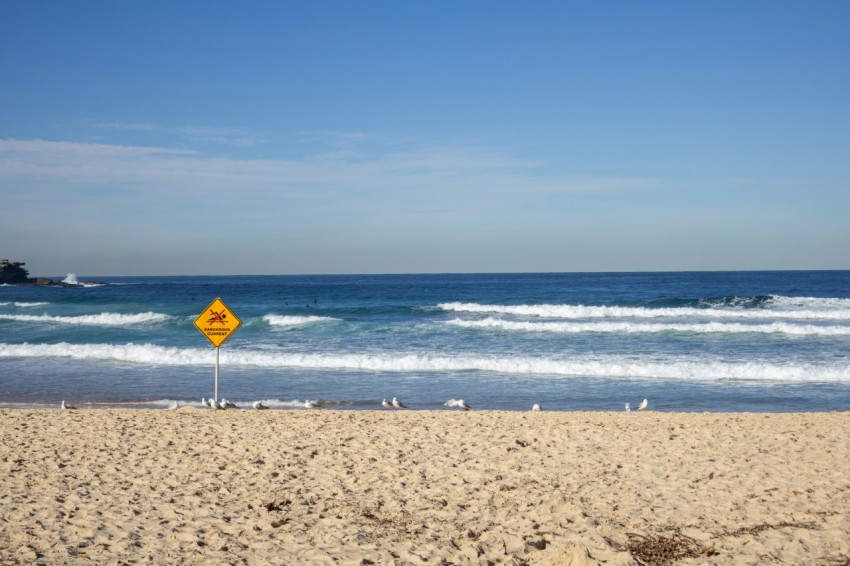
100	319
644	327
288	320
24	304
797	308
679	368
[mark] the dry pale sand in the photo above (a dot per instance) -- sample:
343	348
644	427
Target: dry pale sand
369	487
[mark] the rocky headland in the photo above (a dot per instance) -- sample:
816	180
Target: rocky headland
14	273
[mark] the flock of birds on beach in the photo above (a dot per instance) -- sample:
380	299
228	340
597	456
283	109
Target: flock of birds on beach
394	404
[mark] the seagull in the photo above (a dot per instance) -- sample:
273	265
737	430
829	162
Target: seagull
628	408
386	404
536	407
643	405
310	404
457	403
259	406
398	404
65	407
213	404
225	404
204	402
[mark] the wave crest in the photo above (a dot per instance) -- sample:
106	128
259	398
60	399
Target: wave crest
638	327
779	307
291	320
100	319
685	368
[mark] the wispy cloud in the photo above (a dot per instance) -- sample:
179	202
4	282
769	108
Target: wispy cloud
335	138
329	211
235	137
459	180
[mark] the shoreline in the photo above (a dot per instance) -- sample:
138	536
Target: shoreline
167	405
373	486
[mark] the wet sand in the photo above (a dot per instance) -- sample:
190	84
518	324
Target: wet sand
199	486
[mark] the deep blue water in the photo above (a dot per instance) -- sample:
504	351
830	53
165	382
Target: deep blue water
715	341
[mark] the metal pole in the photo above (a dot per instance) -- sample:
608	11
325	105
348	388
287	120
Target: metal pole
216	374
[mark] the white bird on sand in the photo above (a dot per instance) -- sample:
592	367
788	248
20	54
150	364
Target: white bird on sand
398	404
536	407
259	406
628	408
204	402
458	403
310	404
213	404
66	407
386	404
643	405
225	404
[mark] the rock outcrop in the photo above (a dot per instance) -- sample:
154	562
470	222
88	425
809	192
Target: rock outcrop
13	272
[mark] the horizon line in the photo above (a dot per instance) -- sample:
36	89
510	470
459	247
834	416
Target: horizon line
413	273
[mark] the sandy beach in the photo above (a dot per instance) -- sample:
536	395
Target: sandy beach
423	487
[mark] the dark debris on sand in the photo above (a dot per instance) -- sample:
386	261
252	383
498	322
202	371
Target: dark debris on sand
658	550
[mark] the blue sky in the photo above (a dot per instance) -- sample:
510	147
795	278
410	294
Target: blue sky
208	137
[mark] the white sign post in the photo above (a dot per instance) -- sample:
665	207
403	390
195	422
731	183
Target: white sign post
217	323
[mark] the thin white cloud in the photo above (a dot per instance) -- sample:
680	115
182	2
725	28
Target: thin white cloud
59	150
460	185
335	138
463	168
235	137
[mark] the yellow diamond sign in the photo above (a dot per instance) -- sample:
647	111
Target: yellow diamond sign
217	322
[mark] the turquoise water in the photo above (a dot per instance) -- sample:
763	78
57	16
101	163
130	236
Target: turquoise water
734	341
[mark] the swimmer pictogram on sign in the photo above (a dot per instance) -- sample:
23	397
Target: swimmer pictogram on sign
217	317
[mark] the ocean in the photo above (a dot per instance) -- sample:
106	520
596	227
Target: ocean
689	341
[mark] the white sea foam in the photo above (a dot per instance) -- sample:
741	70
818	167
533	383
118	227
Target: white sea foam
23	304
644	327
278	404
100	319
821	303
71	279
174	403
816	309
168	403
288	320
650	367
